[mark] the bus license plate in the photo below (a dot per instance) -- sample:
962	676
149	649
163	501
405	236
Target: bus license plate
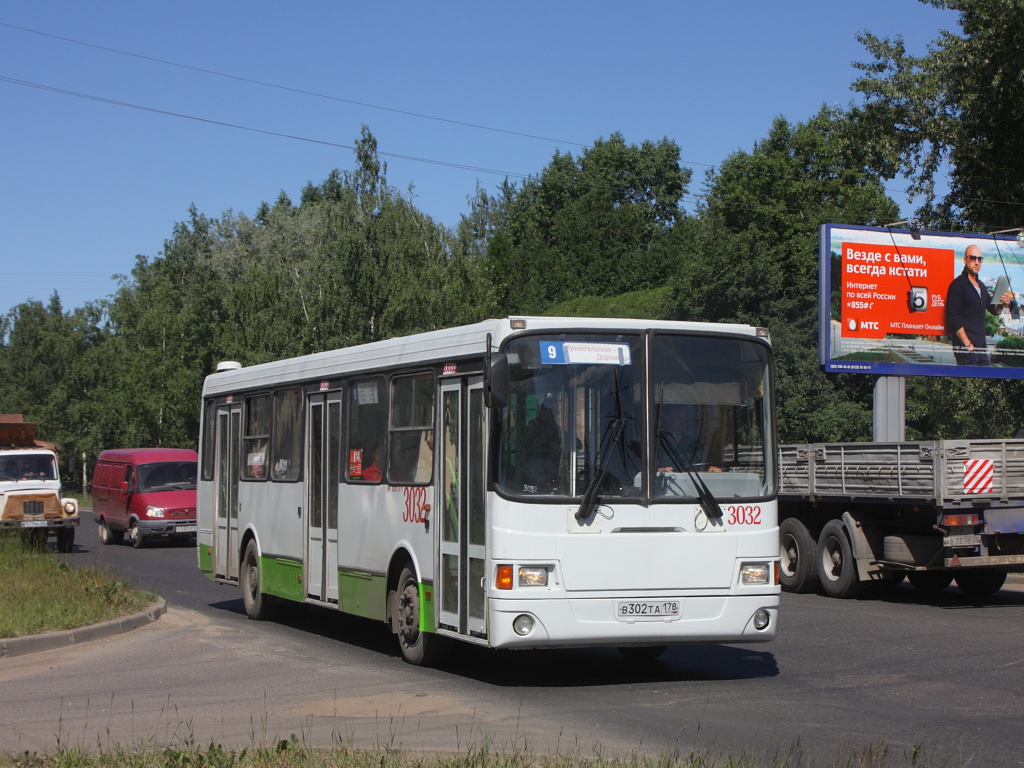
185	529
640	610
969	540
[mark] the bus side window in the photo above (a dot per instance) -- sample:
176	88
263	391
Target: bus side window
367	433
256	439
285	459
412	433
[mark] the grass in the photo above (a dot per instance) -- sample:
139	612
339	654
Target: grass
292	753
40	593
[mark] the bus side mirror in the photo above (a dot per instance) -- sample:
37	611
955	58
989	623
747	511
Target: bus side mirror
496	391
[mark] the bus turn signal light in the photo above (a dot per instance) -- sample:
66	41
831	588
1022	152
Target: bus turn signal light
503	578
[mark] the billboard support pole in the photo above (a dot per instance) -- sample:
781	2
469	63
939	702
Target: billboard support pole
890	409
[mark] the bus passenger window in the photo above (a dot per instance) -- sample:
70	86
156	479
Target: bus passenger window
256	439
367	431
412	435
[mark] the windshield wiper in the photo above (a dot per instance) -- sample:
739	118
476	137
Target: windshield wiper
708	502
590	497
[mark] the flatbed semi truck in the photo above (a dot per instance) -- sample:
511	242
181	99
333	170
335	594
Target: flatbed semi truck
854	514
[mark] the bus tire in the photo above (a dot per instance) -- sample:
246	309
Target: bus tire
837	570
930	581
980	582
418	647
258	605
798	563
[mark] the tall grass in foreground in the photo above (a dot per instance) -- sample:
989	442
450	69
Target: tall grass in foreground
40	593
293	754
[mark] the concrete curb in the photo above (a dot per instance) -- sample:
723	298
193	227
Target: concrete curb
49	641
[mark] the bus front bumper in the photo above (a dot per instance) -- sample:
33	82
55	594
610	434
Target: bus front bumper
604	621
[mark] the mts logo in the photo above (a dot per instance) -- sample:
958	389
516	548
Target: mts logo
869	325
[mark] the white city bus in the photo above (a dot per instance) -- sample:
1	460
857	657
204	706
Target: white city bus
517	483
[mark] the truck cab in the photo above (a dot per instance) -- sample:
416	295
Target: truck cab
30	487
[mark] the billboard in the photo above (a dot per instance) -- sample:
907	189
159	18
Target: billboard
897	304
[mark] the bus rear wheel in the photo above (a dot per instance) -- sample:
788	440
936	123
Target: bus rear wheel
418	647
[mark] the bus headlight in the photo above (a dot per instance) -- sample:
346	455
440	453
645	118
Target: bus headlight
152	511
523	624
533	576
761	618
754	573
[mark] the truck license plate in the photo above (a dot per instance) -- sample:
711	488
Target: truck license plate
34	524
967	540
185	529
653	610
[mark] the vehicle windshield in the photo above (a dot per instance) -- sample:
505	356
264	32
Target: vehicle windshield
589	416
168	476
39	466
711	416
575	407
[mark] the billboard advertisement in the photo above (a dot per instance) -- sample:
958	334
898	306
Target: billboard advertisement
898	303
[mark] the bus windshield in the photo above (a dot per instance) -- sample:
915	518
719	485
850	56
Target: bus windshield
590	412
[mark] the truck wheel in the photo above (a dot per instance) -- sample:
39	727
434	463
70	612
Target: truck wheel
135	536
797	557
930	581
65	540
34	539
258	606
980	583
418	647
837	568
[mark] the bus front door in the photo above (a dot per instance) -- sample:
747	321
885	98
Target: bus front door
225	529
323	441
461	503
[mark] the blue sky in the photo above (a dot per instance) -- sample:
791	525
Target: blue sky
88	183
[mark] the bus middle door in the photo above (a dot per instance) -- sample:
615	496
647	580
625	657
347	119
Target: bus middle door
461	506
225	527
323	444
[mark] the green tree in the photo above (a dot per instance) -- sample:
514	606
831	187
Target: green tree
754	259
584	226
957	108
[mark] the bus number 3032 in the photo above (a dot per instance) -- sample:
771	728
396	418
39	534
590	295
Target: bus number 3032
743	514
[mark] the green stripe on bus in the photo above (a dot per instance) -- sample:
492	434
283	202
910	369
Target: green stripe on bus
282	578
363	594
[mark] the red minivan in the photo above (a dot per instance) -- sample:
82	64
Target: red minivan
145	492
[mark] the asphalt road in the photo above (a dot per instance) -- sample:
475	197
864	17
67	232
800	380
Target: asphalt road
897	673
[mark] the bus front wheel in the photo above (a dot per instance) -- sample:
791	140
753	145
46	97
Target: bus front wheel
418	647
258	606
